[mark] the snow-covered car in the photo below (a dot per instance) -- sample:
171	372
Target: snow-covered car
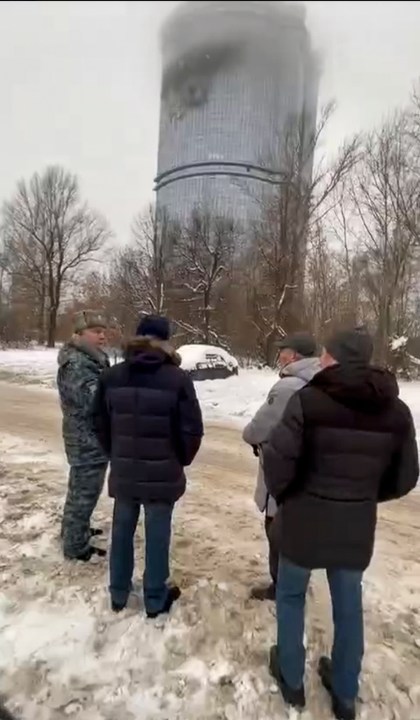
207	362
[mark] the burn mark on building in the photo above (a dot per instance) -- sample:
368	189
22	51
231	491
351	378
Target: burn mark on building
187	81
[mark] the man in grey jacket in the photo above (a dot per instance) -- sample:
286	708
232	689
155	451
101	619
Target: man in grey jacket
298	364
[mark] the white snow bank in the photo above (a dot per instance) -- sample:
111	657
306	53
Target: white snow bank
237	398
398	343
38	363
193	355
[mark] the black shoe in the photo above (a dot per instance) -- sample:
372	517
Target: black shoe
173	595
118	607
265	592
95	532
295	698
88	554
342	709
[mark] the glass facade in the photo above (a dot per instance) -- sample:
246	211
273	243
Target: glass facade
234	77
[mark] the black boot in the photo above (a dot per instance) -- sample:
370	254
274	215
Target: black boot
342	709
295	698
174	594
88	554
264	592
118	607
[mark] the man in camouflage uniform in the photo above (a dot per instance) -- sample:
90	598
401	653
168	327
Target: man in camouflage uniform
81	362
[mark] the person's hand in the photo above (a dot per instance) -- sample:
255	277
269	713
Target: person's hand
255	450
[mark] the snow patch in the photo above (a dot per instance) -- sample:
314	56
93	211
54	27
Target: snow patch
398	343
237	398
39	363
44	634
32	453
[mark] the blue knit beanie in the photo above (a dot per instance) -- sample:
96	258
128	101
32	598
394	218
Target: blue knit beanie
154	326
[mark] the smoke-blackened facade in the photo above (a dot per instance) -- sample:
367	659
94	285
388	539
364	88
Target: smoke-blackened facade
235	74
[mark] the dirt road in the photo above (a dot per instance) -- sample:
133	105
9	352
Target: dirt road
209	659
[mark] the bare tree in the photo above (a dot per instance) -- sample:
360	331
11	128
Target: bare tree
25	269
407	190
50	236
272	280
382	193
203	259
154	236
4	304
324	284
140	273
289	215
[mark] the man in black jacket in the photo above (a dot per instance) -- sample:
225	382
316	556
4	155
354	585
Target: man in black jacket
346	442
148	421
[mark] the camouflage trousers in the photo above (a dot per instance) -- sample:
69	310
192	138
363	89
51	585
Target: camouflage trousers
84	489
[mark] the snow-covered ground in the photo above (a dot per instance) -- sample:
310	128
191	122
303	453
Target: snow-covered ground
39	364
64	654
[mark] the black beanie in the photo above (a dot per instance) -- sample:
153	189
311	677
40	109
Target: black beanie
155	326
351	347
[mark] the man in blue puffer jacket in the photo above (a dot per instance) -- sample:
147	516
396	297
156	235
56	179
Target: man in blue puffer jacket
149	424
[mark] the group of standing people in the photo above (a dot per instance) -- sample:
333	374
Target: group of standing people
333	440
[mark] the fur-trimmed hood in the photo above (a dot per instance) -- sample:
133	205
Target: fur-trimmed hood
150	351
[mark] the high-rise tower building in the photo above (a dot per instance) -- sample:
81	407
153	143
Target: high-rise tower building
235	74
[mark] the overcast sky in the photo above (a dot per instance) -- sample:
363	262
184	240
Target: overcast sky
79	85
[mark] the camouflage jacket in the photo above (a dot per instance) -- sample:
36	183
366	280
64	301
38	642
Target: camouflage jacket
79	369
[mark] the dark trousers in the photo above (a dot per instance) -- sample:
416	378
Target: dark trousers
347	653
273	554
85	485
158	520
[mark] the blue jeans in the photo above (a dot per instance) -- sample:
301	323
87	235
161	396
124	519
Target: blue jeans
158	519
347	652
